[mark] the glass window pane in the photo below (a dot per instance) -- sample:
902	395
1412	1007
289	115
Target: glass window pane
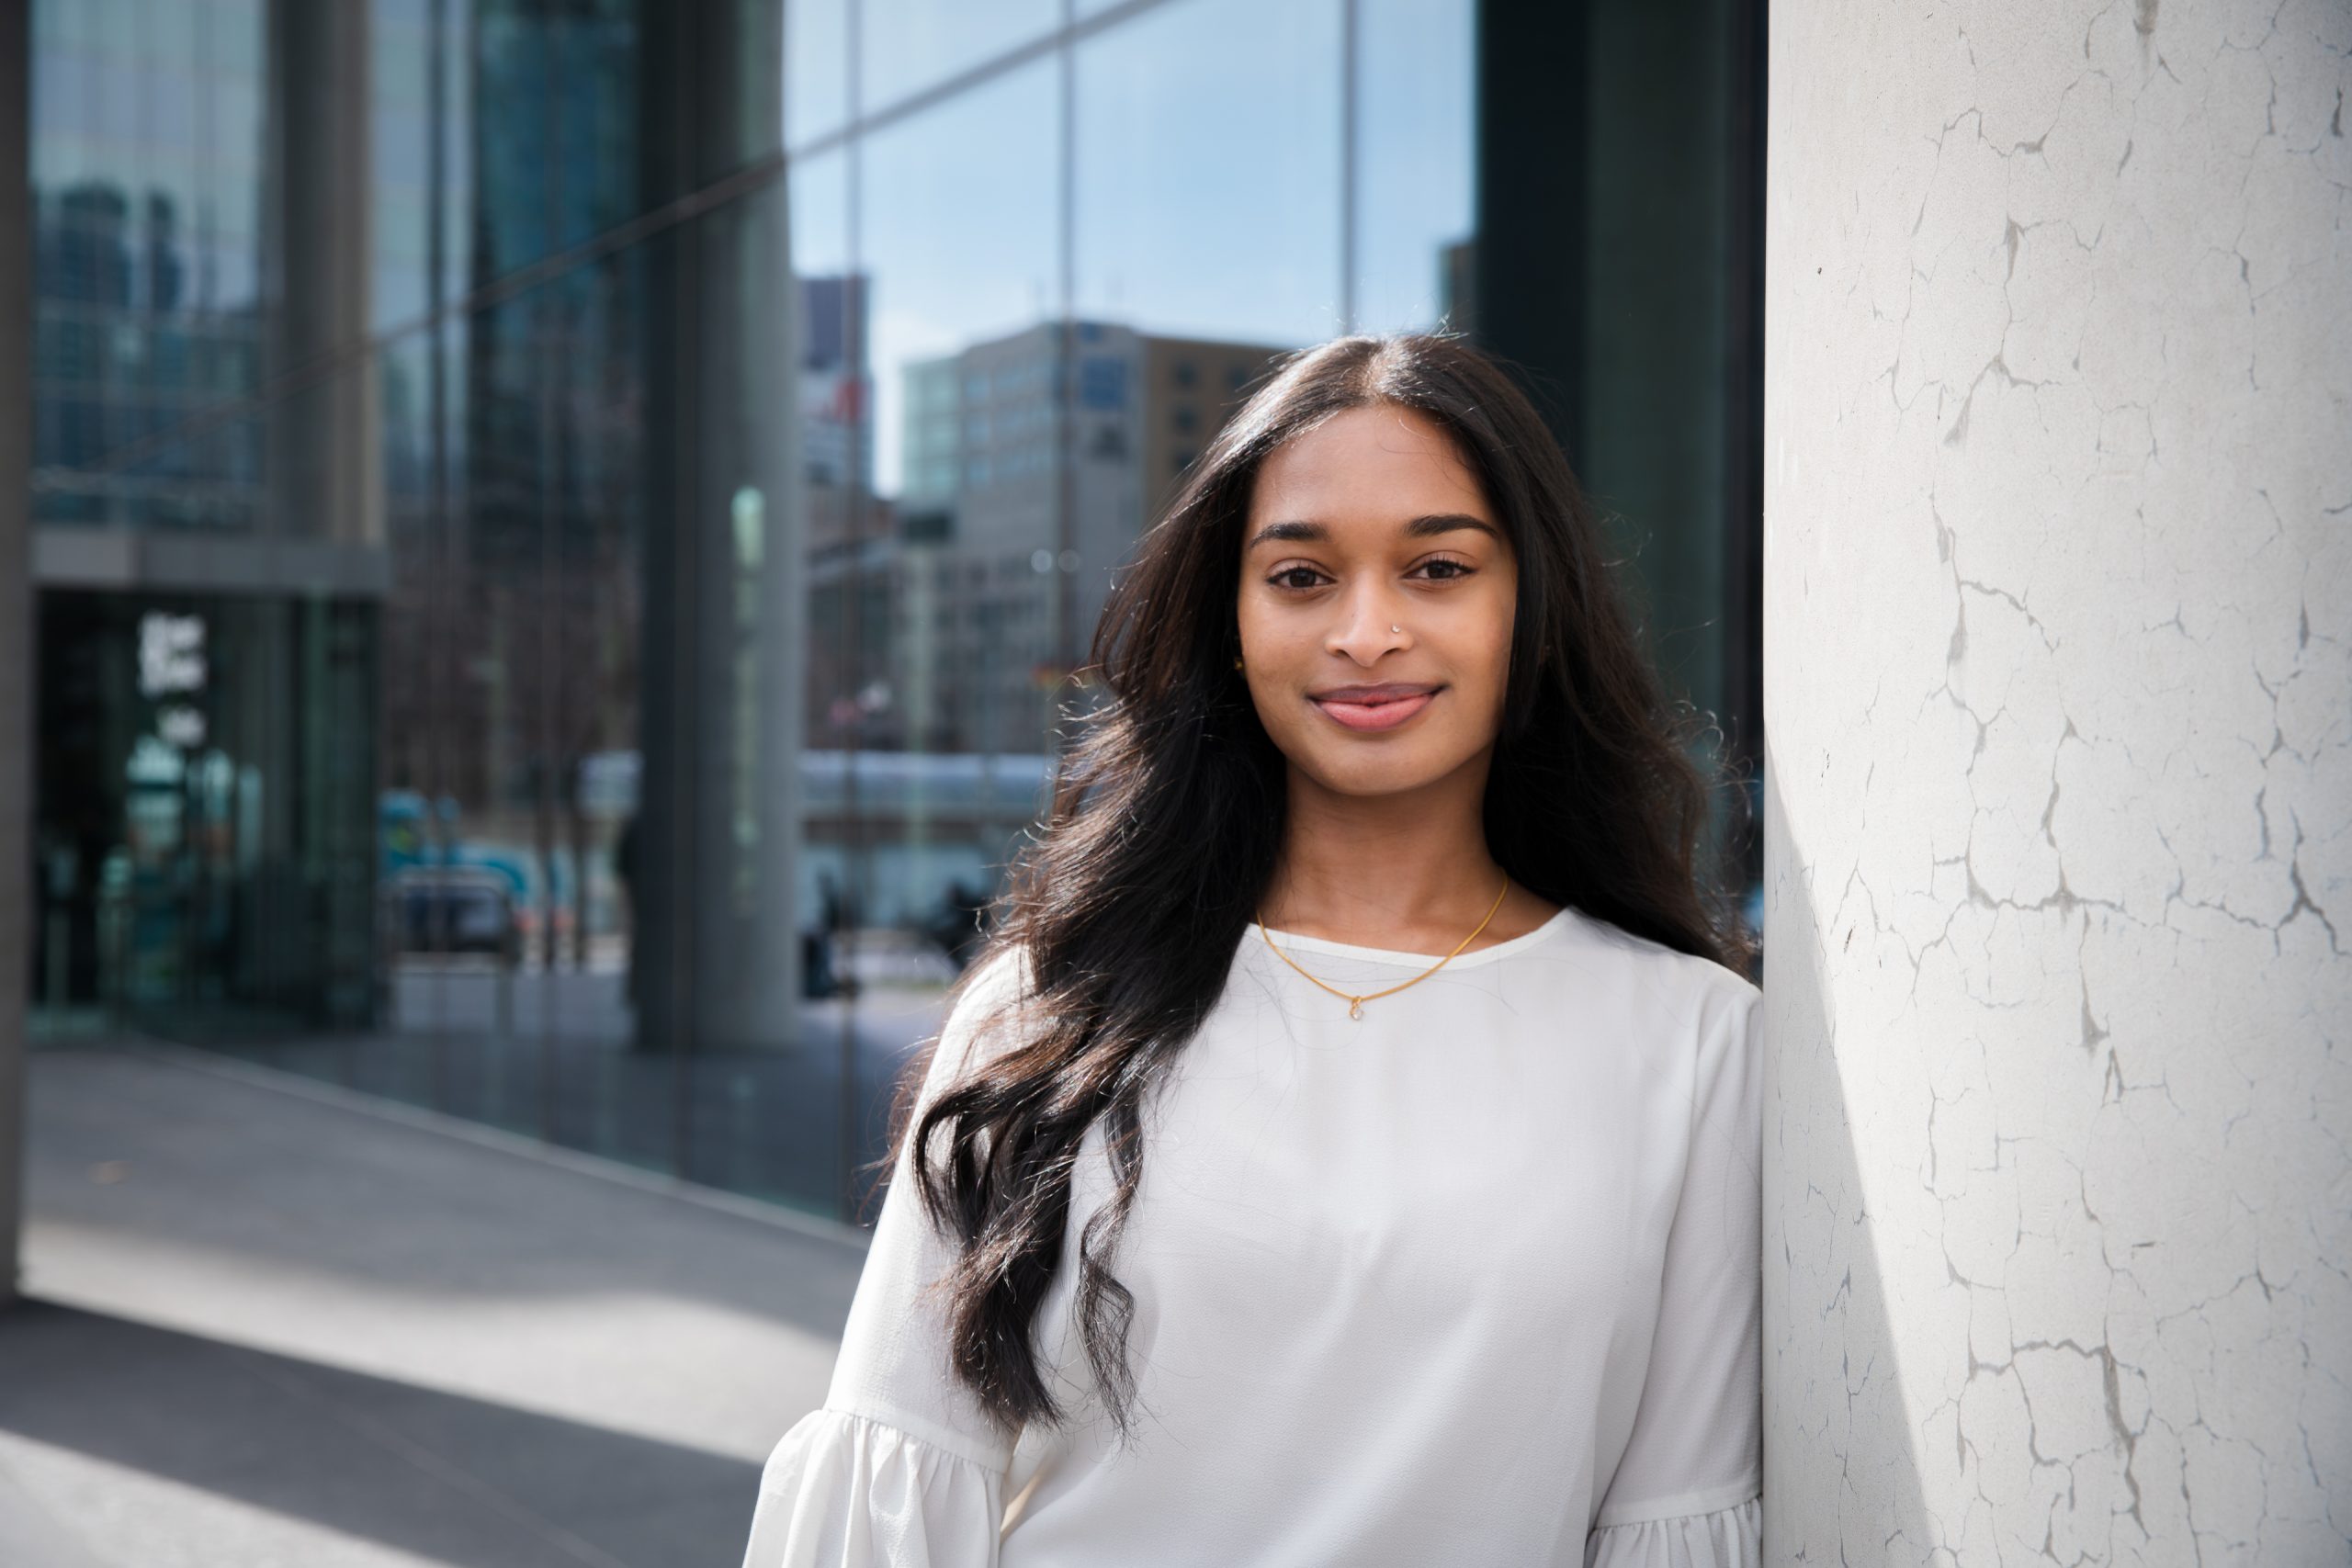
1208	209
927	618
1415	179
959	235
905	46
926	708
819	198
815	68
1208	172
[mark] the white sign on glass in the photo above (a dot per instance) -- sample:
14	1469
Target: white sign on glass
171	654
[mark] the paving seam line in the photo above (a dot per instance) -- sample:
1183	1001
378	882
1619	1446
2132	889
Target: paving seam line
279	1080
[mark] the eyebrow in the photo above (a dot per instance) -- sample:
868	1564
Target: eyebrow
1428	527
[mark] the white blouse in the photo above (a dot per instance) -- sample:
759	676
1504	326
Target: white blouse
1472	1279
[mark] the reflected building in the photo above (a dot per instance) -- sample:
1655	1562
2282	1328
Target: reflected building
852	556
1190	386
835	453
203	818
1033	464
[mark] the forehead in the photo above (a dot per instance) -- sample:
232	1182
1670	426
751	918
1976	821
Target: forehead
1382	463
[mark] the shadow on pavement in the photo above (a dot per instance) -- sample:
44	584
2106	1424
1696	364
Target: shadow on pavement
448	1477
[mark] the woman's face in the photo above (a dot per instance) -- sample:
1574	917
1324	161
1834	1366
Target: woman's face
1368	522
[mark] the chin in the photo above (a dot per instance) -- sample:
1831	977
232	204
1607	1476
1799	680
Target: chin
1368	776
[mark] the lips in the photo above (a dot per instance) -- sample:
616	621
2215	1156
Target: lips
1382	707
1385	692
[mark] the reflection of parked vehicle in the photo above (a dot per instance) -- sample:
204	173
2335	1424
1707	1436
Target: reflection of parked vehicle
452	911
819	975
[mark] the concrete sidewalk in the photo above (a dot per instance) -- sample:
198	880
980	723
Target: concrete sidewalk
264	1329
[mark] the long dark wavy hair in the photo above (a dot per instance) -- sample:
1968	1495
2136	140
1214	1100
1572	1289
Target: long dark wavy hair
1168	810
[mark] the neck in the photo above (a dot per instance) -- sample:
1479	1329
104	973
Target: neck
1401	870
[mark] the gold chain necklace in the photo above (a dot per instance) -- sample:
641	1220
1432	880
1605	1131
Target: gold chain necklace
1355	1003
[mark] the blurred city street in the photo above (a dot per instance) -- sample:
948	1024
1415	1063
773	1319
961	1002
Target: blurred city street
264	1324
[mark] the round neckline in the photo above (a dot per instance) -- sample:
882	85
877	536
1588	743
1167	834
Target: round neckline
1296	941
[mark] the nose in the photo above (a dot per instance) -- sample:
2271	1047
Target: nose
1369	627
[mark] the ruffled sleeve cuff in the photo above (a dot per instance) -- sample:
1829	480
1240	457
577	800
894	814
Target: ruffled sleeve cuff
845	1491
1724	1537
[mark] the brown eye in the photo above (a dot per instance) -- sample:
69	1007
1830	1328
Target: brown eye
1284	578
1458	568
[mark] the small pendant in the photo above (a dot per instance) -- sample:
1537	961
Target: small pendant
1355	1006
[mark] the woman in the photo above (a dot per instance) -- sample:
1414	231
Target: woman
1345	1151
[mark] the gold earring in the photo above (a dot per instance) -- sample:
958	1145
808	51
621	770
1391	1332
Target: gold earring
1236	661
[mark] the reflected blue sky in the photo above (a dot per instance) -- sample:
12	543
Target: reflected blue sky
1416	69
1209	171
908	45
816	69
958	226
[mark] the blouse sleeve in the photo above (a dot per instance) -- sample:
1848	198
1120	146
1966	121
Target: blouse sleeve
1685	1492
900	1468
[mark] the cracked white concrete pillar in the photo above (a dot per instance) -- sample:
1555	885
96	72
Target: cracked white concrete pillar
2058	654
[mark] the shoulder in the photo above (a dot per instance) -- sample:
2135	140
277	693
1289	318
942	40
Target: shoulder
1000	974
1695	1029
1664	994
1666	972
987	1013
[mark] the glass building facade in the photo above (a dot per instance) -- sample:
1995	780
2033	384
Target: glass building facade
564	529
